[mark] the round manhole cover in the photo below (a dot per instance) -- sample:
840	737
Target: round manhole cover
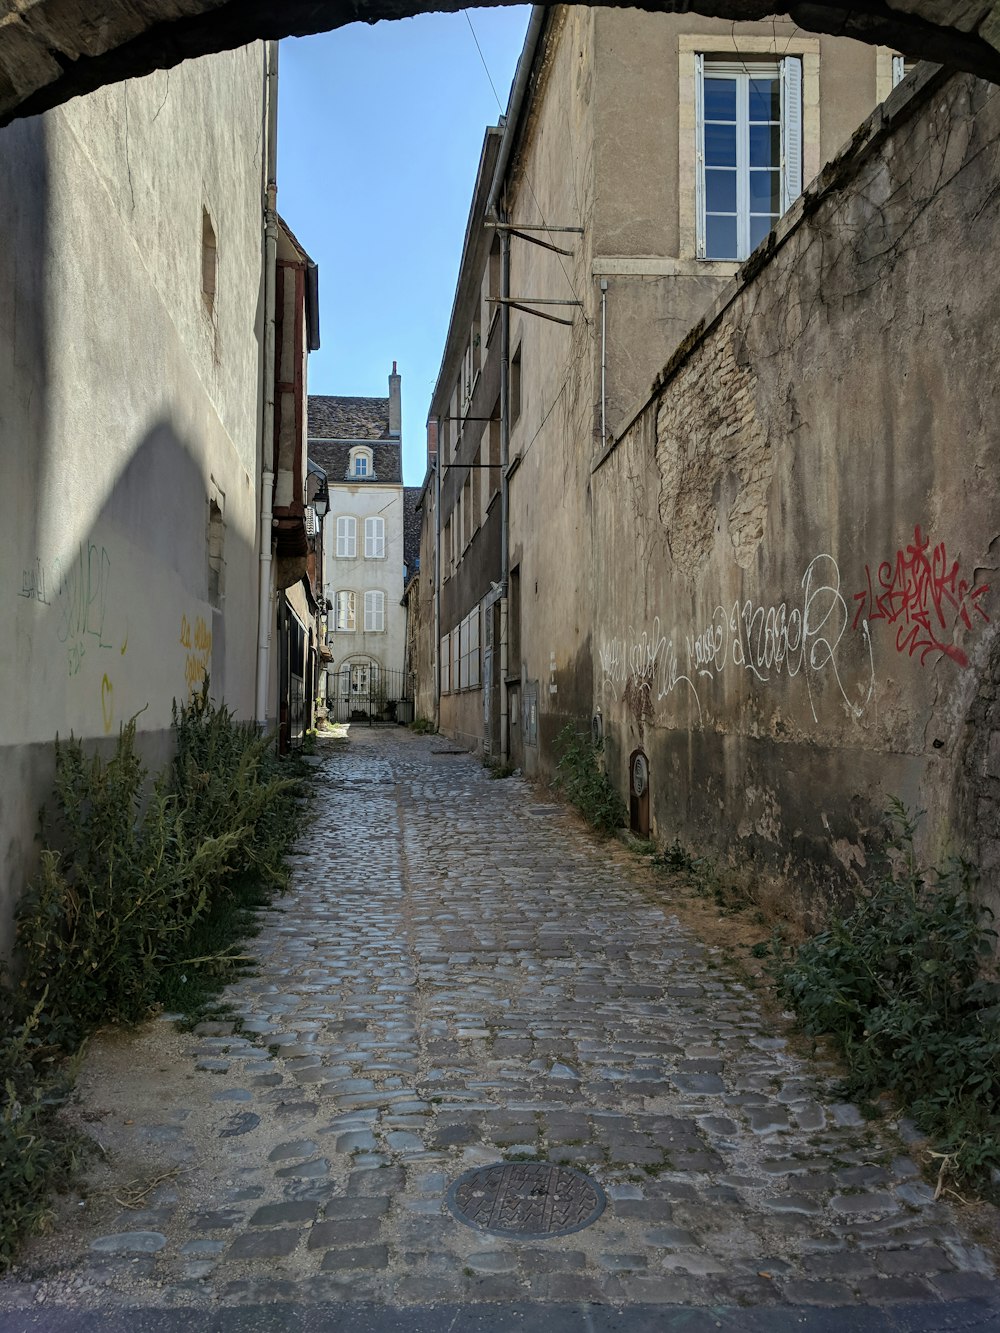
527	1199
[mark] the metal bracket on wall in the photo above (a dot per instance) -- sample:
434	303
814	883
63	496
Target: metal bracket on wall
518	303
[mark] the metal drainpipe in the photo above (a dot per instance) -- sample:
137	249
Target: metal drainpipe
604	361
265	609
504	494
437	576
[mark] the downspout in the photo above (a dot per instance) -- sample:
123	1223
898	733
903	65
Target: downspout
504	492
437	577
265	610
604	362
515	105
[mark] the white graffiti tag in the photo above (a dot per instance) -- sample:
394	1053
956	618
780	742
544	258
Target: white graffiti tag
768	641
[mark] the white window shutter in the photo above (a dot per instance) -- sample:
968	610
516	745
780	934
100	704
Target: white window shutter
791	131
699	175
898	70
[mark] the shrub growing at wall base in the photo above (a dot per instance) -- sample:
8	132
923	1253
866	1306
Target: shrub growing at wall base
132	880
37	1154
579	774
127	873
903	983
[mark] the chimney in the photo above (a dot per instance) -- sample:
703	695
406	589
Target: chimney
432	440
395	408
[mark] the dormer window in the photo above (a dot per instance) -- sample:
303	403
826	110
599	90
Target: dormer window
360	464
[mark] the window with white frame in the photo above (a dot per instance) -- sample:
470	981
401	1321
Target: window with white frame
749	132
347	537
347	612
374	612
375	538
901	66
446	664
360	464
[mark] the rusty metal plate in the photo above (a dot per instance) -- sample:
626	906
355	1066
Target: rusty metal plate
526	1199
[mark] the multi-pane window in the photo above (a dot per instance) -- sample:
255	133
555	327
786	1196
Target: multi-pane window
374	538
360	464
374	612
749	118
347	537
347	611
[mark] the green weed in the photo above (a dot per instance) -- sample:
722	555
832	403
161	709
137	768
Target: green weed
580	776
903	985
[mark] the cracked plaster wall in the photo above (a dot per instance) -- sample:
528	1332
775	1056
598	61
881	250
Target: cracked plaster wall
796	615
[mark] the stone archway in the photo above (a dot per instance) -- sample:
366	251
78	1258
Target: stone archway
53	50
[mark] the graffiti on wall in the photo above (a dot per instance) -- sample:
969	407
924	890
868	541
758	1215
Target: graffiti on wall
796	638
924	596
34	584
198	642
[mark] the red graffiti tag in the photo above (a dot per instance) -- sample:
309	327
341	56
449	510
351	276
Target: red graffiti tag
924	597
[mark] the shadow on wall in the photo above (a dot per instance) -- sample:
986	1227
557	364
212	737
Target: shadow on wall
122	625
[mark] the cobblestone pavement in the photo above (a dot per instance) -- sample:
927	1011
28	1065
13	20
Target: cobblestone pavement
459	975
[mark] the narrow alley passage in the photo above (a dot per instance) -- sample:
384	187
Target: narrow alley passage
459	975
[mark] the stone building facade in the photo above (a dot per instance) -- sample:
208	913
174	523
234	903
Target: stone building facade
358	444
795	615
598	234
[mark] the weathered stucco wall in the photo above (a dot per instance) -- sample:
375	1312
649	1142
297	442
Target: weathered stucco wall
128	403
799	535
549	491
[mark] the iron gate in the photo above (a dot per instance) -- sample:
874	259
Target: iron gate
366	692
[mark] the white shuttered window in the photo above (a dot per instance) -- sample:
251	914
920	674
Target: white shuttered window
374	612
347	537
374	538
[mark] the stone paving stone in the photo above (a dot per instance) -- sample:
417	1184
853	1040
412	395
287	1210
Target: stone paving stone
271	1214
263	1244
323	1235
362	1256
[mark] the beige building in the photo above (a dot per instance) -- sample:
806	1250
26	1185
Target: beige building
137	342
642	159
358	444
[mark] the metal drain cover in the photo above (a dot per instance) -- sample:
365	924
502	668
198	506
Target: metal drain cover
527	1199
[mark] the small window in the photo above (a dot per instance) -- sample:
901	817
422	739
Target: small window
901	66
749	124
374	612
347	612
515	386
360	464
209	260
347	537
374	538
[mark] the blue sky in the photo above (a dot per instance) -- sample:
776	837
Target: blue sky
380	130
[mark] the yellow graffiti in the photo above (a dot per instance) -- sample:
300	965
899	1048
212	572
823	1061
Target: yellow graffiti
107	704
199	645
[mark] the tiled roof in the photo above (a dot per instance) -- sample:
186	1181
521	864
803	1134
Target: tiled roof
335	418
334	457
411	527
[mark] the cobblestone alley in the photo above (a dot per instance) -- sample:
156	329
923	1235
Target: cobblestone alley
461	976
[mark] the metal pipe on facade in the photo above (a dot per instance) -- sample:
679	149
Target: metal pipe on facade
504	491
604	361
437	575
265	609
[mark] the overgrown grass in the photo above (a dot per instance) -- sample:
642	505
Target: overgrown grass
423	726
144	893
580	776
905	984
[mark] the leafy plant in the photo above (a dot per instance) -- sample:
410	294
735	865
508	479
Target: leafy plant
423	726
902	984
579	774
37	1154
